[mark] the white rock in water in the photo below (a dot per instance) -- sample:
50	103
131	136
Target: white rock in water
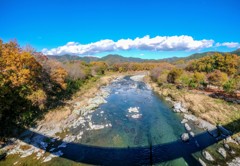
192	134
222	152
69	138
202	162
190	117
137	78
168	99
185	137
133	109
187	127
97	100
234	162
95	127
184	121
79	136
177	106
136	116
207	156
184	110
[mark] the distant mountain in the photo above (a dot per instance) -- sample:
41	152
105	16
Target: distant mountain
237	52
200	55
68	57
114	58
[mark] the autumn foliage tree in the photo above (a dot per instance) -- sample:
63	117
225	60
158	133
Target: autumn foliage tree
217	78
227	63
26	82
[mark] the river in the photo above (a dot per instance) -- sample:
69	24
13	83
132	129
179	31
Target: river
134	126
136	118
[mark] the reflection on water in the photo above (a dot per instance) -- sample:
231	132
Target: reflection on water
134	116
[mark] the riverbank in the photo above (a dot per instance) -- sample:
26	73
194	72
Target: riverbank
55	124
206	113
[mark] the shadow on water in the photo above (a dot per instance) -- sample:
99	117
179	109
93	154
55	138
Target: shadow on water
140	155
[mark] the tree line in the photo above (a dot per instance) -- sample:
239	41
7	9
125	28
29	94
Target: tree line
219	70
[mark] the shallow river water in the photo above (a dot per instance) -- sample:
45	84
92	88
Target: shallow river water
136	120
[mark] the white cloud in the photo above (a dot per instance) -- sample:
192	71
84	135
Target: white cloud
158	43
229	44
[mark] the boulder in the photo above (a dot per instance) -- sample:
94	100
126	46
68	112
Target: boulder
226	146
192	134
190	117
237	139
202	162
207	156
187	127
205	125
184	121
185	137
222	152
97	100
176	106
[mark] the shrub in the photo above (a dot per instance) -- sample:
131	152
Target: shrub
217	78
173	75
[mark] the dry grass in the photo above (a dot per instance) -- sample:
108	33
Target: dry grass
215	111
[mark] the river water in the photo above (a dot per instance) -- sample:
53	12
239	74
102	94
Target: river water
136	120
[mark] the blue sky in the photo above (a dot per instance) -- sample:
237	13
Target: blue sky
155	28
